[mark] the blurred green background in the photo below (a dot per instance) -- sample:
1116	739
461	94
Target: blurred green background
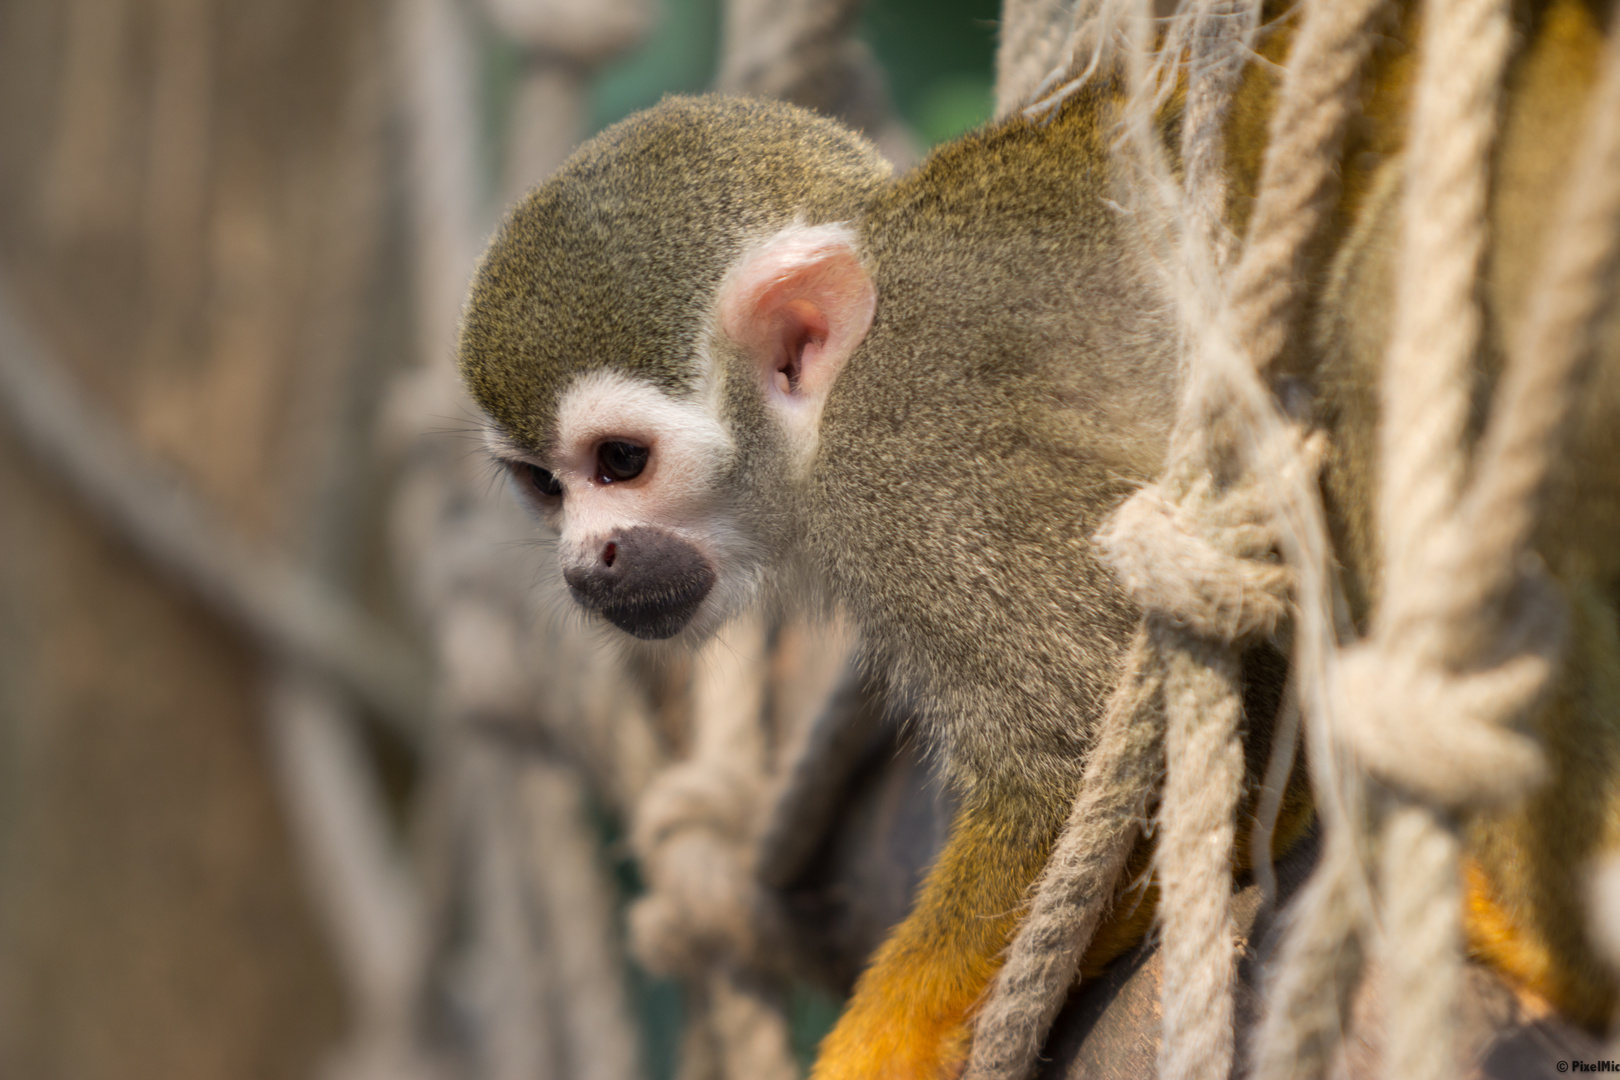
937	54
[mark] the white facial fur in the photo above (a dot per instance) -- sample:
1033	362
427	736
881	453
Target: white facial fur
677	492
798	303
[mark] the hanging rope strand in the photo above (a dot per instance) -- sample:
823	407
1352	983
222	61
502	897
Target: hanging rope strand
1204	759
1077	888
1298	172
1539	388
1437	320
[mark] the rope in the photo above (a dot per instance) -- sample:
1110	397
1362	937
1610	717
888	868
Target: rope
1187	549
1307	998
1460	586
1317	965
1413	707
1436	333
1298	173
1204	760
751	1038
1230	447
1467	587
1077	888
1552	358
1437	319
706	917
1197	826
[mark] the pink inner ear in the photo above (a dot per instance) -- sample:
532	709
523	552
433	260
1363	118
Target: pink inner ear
800	338
800	305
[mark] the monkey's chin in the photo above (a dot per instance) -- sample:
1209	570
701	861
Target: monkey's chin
656	628
655	619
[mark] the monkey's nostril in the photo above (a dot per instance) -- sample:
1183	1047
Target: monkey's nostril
610	553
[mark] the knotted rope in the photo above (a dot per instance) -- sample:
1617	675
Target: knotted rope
1467	636
1210	593
706	917
1472	606
1222	523
1195	549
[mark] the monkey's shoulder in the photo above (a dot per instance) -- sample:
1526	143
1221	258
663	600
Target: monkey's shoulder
1016	178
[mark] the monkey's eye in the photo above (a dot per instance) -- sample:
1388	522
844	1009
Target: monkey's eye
619	461
539	479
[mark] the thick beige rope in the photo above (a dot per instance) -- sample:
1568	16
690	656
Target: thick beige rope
1437	323
1437	330
1232	446
1436	334
1204	757
1193	860
1191	548
1317	964
1518	452
1462	581
1437	729
1308	997
1298	173
1460	557
1078	886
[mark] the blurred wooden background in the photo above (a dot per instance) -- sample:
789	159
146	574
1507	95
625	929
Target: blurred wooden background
206	218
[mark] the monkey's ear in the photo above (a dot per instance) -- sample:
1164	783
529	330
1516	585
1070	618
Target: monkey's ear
799	304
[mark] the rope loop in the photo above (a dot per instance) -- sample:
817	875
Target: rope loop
692	836
1203	554
1169	562
1463	752
693	795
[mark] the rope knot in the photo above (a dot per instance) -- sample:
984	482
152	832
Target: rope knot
1444	733
692	833
693	795
1205	568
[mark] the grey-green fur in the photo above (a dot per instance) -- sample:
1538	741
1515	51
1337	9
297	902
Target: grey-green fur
613	261
1017	384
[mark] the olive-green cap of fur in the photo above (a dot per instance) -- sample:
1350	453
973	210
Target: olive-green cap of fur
614	261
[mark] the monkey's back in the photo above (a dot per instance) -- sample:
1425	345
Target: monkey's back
1017	384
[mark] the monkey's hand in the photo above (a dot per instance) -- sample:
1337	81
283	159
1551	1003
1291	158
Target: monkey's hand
911	1016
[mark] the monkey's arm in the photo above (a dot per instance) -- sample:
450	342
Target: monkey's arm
911	1014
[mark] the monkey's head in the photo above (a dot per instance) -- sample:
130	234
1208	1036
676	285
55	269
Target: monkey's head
653	332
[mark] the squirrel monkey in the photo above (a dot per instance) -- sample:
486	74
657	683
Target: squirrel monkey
733	361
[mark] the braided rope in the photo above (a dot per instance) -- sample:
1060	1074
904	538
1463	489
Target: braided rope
1436	334
1551	359
1204	758
1298	172
1427	719
1437	319
1228	432
1459	556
